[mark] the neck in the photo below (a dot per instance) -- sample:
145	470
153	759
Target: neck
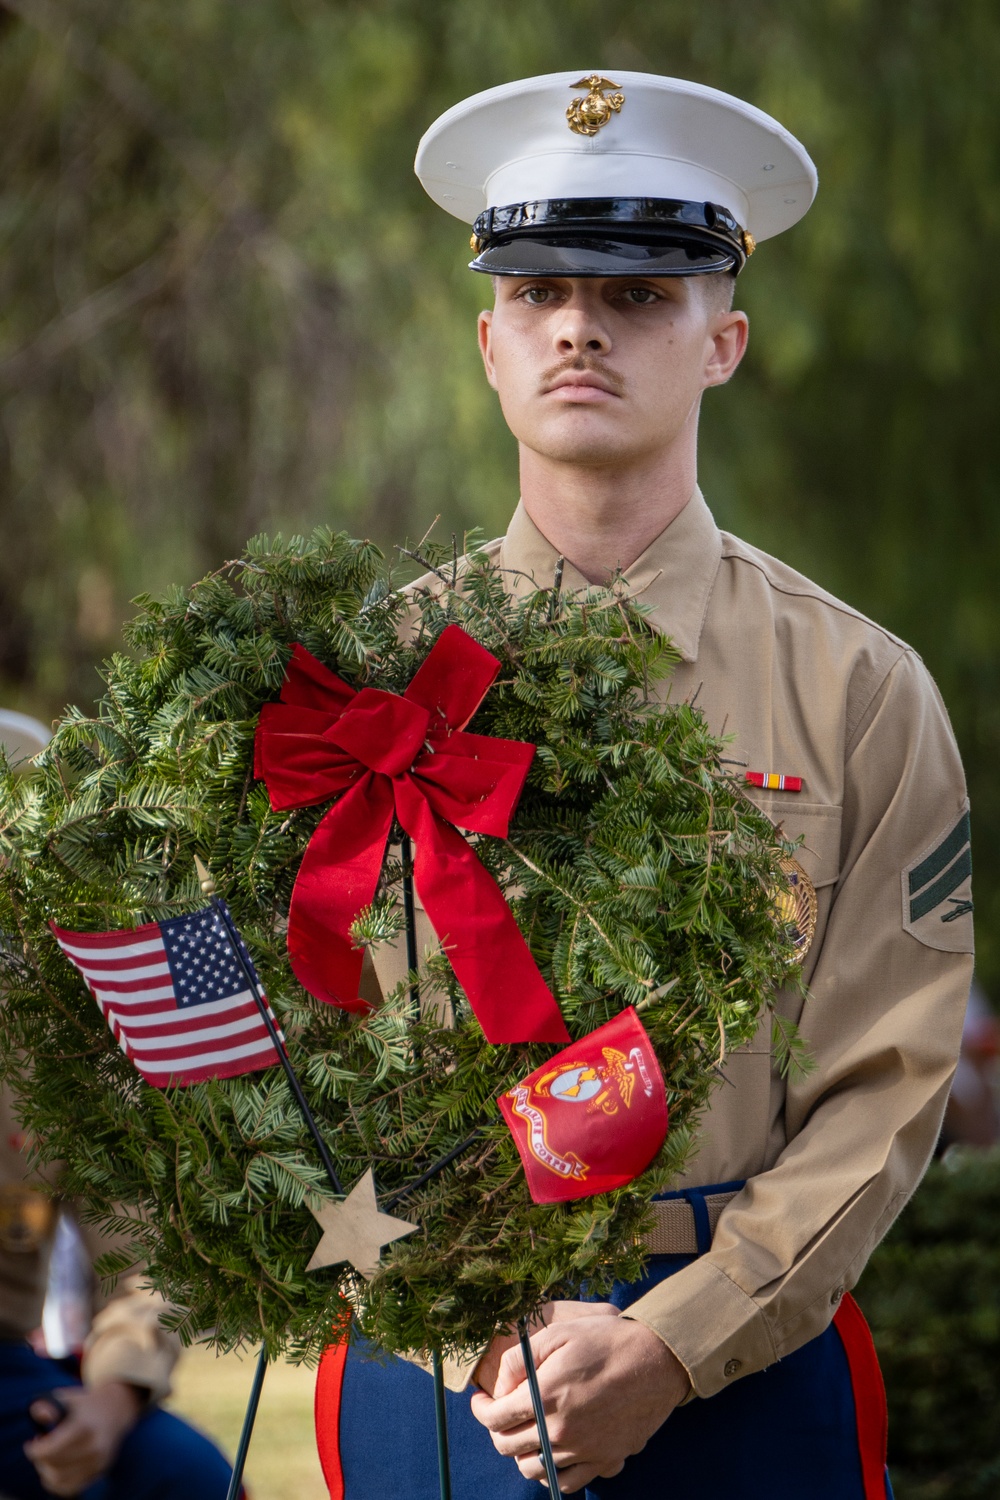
601	517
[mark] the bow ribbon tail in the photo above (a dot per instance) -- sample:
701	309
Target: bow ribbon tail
470	915
338	876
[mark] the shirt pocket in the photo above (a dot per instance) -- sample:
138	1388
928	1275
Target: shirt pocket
817	825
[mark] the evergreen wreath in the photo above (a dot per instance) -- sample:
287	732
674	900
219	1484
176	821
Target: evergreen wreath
637	870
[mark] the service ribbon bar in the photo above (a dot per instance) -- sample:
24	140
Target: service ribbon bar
774	781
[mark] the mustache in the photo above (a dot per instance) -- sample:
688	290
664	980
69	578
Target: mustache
588	362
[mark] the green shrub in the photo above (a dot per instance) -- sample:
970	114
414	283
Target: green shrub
932	1297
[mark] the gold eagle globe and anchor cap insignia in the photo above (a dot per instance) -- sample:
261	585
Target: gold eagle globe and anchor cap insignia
589	115
797	907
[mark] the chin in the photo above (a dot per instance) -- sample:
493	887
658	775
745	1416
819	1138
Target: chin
587	448
578	438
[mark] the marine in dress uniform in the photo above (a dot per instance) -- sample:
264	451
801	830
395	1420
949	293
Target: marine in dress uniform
162	1457
846	745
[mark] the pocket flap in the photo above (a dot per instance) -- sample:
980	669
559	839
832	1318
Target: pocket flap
818	826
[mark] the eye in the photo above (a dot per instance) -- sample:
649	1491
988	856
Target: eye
640	296
536	296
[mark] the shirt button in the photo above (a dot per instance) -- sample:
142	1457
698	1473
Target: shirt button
732	1367
837	1295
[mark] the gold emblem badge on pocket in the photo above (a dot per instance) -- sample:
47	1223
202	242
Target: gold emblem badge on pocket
27	1218
797	907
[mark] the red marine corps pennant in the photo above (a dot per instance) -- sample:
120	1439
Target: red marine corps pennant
591	1118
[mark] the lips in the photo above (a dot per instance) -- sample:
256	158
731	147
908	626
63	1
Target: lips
582	381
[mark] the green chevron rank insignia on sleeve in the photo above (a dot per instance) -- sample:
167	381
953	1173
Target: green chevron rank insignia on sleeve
937	891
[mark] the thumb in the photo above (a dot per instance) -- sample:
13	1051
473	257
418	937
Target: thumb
46	1412
543	1343
511	1373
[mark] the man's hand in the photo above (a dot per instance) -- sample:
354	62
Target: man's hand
607	1384
85	1444
488	1369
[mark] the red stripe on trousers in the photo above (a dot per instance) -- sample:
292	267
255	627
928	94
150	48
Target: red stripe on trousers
869	1395
329	1385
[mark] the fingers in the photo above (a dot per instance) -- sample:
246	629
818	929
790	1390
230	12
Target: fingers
511	1372
45	1413
573	1477
564	1312
505	1415
52	1445
545	1342
54	1484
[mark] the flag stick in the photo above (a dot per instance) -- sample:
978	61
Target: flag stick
249	1417
208	886
441	1422
548	1462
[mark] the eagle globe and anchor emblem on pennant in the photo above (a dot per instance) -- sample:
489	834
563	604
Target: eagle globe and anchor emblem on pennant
591	113
593	1117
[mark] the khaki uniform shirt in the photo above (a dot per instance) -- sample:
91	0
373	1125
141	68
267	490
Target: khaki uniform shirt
805	686
127	1340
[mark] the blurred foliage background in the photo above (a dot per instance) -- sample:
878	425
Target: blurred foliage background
226	305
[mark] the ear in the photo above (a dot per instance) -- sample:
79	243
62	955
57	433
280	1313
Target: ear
728	336
485	332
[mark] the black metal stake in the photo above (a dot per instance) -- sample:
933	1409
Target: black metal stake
249	1417
441	1423
548	1462
432	1171
279	1046
410	914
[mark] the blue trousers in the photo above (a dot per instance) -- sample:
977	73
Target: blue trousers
162	1458
785	1433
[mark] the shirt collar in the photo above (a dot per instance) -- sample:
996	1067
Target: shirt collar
673	578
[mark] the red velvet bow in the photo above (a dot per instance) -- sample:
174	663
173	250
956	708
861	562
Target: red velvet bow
409	756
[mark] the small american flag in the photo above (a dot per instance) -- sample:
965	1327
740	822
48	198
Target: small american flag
175	997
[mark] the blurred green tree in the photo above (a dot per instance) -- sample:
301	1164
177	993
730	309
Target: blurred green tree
226	304
930	1295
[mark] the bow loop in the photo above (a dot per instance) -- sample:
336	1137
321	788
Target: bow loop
453	681
382	730
404	757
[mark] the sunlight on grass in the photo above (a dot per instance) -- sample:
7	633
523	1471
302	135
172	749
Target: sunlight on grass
212	1393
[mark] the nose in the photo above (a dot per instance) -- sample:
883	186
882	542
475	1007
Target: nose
579	328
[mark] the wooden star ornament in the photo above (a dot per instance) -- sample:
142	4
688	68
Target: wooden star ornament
355	1230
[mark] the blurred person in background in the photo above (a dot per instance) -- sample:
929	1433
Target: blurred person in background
973	1115
88	1422
83	1417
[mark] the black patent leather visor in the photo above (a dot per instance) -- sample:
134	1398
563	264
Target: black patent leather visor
608	237
600	255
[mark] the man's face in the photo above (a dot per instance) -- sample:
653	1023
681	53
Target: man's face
606	370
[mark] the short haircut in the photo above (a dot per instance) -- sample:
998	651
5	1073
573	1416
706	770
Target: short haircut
719	290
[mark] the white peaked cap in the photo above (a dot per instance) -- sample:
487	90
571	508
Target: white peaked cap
670	140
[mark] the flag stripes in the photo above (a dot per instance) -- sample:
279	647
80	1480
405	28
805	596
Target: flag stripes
175	997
